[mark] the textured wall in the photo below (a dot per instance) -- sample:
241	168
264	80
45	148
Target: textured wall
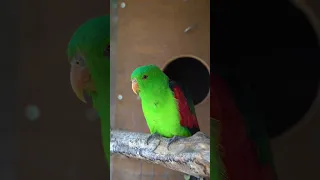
62	144
153	32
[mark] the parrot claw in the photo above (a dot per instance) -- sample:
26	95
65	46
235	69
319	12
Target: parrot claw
188	177
152	136
172	140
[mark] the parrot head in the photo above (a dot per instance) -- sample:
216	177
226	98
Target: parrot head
148	79
88	54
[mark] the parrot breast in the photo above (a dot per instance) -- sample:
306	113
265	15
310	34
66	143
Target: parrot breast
162	115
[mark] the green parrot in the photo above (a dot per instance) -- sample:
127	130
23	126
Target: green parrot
89	55
167	107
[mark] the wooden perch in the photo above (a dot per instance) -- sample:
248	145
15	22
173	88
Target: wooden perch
189	155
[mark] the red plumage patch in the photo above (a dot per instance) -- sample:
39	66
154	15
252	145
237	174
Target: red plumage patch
187	118
240	157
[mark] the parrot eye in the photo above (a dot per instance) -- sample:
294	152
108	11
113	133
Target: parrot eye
144	77
78	60
106	51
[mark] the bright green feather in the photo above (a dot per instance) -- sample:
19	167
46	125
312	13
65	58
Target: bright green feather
90	41
161	112
159	106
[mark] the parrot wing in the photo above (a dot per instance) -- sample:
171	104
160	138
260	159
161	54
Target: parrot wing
186	108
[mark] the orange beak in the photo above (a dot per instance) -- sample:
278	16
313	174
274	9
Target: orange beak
78	78
135	87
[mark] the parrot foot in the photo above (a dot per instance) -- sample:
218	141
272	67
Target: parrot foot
172	140
188	177
153	136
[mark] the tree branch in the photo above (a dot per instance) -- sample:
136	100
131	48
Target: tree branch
189	155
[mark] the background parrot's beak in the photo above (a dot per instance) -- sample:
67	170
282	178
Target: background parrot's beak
77	83
135	87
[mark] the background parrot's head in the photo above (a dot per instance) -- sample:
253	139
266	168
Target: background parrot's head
88	54
148	79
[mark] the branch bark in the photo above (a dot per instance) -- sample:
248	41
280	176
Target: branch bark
189	155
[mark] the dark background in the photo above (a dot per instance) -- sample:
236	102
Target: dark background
268	53
63	142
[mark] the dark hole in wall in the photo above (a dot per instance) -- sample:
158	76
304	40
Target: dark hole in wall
276	67
192	74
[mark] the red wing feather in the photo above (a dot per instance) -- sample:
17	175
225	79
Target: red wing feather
187	118
240	156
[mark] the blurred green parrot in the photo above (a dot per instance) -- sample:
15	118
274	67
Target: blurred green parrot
89	55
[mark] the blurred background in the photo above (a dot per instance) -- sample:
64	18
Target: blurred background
47	133
296	132
274	55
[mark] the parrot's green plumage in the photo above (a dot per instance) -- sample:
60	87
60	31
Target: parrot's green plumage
167	106
158	102
89	48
